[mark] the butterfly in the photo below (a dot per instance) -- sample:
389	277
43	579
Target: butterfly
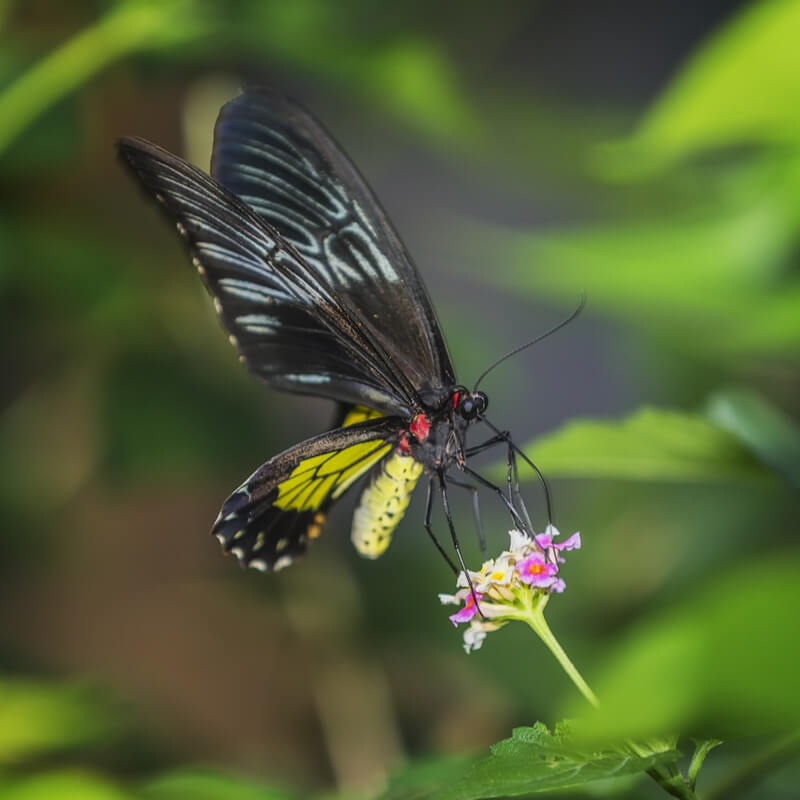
320	297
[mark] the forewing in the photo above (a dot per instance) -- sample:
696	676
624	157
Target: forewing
275	156
289	327
268	521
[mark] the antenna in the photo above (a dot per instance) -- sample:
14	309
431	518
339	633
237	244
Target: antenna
532	342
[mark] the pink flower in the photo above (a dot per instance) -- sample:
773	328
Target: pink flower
544	541
536	570
468	610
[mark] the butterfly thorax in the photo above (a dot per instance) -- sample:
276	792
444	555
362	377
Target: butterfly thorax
435	437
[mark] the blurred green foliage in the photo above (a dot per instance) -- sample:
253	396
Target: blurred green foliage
659	679
653	444
206	785
36	718
736	90
124	419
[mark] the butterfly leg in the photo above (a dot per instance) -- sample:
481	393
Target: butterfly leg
518	500
515	517
456	544
479	448
476	510
500	438
427	524
514	495
505	436
512	473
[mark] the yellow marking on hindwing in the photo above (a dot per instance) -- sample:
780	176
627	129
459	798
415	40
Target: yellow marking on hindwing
383	504
360	414
315	478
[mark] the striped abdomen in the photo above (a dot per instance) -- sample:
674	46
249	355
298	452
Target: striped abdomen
383	504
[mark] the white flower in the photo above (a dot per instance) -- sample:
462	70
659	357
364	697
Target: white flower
507	587
520	543
494	571
473	638
476	633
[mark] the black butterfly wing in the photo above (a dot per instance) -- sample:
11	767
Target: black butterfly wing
269	520
273	154
290	327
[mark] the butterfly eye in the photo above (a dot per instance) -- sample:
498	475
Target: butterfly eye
469	405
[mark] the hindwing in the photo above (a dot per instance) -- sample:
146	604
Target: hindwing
268	521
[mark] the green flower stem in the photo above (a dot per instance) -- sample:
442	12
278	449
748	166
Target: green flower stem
128	27
675	785
534	616
701	751
532	612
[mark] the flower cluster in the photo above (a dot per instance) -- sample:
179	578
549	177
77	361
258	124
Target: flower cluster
514	585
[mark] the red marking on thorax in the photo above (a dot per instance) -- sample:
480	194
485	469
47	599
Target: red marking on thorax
455	399
403	446
420	426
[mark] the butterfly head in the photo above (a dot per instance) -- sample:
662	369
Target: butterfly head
469	405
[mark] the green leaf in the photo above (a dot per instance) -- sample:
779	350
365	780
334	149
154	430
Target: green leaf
723	662
652	444
420	780
769	433
735	88
532	760
38	718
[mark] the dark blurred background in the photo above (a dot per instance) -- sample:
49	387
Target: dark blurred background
647	154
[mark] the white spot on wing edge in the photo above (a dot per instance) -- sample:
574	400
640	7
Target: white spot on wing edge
282	563
259	564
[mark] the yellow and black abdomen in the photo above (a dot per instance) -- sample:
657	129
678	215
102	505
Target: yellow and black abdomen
383	504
